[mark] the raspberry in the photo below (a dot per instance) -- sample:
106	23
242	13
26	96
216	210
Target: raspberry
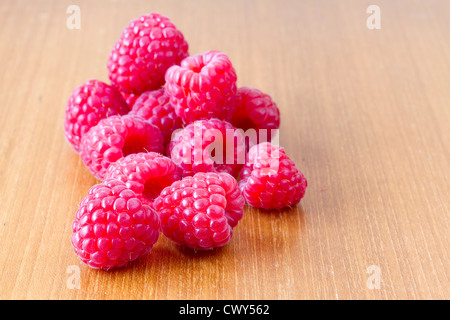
256	110
202	87
115	137
155	107
145	173
201	211
205	146
270	180
89	103
147	47
113	227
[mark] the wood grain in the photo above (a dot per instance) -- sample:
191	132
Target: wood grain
365	115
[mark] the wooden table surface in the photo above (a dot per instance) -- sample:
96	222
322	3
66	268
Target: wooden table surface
365	116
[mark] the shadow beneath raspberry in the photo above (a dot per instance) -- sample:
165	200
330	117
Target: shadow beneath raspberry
169	254
273	230
296	210
188	252
182	251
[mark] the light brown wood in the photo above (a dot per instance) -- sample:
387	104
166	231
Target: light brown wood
365	115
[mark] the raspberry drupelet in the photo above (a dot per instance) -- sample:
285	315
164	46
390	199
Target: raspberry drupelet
130	98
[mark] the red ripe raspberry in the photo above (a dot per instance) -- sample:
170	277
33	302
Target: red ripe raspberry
256	110
208	146
147	47
115	137
113	227
202	87
270	180
201	211
89	103
155	107
145	173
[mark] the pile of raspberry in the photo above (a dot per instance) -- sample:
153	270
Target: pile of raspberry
177	148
